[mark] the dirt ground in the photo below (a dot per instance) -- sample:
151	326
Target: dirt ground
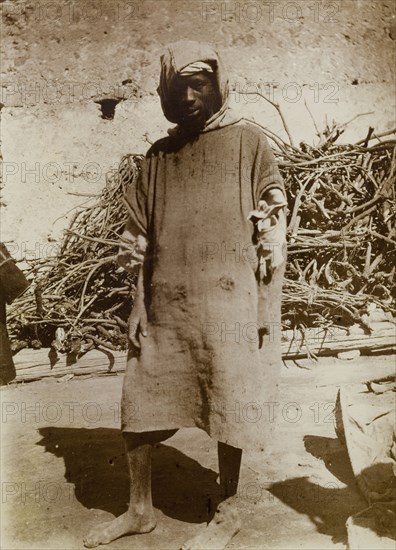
63	466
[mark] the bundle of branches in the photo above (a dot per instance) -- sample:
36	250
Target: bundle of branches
341	235
80	298
341	228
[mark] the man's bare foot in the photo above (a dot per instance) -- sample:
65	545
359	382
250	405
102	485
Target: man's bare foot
126	524
224	525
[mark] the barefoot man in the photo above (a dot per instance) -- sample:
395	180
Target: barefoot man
207	218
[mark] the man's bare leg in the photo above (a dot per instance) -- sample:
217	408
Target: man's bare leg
229	468
139	518
226	522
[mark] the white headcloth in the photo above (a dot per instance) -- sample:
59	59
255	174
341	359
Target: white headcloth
196	67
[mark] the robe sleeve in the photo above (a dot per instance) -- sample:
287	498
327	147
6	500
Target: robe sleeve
270	208
133	241
266	175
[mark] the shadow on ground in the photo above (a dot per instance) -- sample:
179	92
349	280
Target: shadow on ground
95	463
330	504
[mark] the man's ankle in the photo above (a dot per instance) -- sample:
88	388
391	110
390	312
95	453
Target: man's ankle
141	510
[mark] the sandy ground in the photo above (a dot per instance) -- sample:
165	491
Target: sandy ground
64	469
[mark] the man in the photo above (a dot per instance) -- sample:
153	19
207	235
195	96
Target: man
12	284
205	298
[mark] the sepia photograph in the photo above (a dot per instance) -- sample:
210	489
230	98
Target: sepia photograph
197	274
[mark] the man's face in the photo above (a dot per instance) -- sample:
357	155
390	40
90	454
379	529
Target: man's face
196	98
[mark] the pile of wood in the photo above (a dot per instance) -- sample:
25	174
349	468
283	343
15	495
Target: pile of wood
81	299
341	235
341	228
345	343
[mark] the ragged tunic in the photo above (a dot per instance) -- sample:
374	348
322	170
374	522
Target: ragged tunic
211	357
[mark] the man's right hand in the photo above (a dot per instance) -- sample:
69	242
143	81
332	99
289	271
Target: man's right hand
137	323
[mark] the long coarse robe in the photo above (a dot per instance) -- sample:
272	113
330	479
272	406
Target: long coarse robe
211	357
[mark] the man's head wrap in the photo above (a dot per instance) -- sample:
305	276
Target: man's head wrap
197	67
187	57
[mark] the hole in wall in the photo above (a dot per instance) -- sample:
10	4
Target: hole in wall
107	106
